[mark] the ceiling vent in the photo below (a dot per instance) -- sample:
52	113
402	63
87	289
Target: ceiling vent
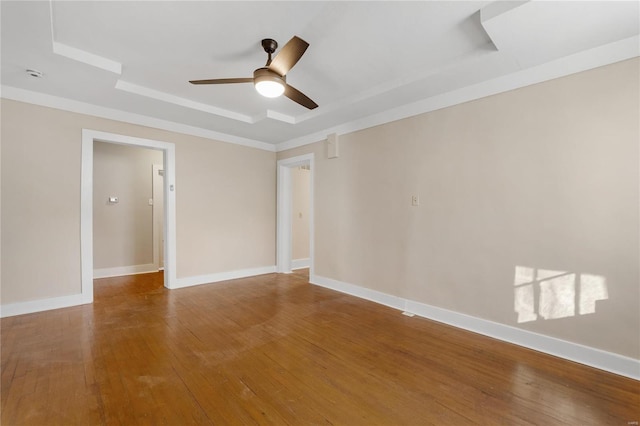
34	73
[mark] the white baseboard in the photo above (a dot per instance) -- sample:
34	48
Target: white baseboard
300	263
32	306
119	271
223	276
586	355
361	292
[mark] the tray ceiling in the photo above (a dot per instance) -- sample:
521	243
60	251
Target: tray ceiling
367	62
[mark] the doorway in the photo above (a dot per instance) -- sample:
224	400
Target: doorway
300	205
158	215
285	214
86	205
123	209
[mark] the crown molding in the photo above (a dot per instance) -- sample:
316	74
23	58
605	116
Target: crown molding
16	94
209	109
582	61
177	100
593	58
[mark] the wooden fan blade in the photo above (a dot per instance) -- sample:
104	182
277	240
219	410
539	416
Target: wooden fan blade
288	56
222	81
297	96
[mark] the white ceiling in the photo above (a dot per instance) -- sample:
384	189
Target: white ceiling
368	62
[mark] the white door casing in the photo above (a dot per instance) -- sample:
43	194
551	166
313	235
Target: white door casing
86	205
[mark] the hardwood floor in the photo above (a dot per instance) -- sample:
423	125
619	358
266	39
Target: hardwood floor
276	350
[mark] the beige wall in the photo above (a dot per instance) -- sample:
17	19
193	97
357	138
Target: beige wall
540	183
513	187
0	205
225	201
300	189
122	232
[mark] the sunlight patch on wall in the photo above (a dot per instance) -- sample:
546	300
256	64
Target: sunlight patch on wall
592	289
555	294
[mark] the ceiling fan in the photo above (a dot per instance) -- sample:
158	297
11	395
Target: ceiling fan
271	80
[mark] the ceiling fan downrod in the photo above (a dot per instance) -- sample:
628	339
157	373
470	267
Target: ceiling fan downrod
269	45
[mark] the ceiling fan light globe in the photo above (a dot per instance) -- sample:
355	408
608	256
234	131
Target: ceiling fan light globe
269	88
268	83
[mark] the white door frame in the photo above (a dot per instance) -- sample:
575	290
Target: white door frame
86	204
284	239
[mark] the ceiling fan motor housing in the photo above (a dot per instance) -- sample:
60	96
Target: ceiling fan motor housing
269	45
265	74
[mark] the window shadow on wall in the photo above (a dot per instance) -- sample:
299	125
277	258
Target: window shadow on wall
555	294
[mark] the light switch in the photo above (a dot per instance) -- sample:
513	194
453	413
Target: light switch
150	201
113	200
415	200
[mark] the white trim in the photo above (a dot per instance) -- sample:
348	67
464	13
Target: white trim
169	218
87	58
599	56
31	306
120	271
284	233
21	95
582	354
275	115
593	58
199	106
86	217
80	55
300	263
586	355
223	276
357	291
86	204
177	100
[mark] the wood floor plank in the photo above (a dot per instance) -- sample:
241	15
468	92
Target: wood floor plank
276	350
